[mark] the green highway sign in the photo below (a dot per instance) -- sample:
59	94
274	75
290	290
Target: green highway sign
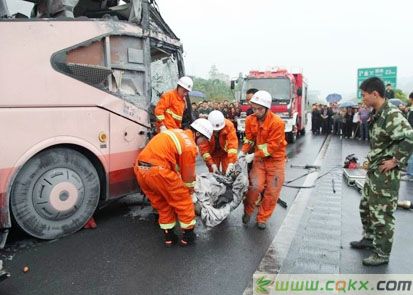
387	74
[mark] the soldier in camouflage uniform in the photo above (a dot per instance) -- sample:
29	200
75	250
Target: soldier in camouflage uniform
391	143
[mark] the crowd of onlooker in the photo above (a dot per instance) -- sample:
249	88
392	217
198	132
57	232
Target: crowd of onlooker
231	110
350	122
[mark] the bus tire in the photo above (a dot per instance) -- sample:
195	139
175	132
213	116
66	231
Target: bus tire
55	193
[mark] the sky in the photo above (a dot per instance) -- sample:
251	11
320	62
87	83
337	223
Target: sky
326	40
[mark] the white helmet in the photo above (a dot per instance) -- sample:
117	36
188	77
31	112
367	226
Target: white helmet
186	83
203	126
263	98
217	120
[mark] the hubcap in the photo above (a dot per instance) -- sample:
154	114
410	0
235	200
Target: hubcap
58	193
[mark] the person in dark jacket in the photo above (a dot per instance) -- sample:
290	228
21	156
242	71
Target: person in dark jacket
389	93
348	130
330	114
336	121
364	115
250	92
316	119
195	113
410	111
324	121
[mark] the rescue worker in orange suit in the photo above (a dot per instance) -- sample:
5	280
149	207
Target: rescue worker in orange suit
165	170
265	132
171	106
222	148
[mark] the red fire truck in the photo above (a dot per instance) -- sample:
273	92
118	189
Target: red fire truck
289	94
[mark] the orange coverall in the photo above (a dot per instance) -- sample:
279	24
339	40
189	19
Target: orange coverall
268	168
222	148
165	170
169	110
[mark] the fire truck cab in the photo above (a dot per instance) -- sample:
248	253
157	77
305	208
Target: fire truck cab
289	98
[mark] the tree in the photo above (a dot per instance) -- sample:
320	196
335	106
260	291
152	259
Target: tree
213	89
398	93
217	87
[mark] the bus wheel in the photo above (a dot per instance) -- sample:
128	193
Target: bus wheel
55	193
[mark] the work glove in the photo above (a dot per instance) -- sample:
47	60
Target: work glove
241	154
230	169
214	168
162	128
249	158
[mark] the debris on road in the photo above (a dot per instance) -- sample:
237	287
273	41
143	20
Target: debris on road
216	195
405	204
90	224
3	273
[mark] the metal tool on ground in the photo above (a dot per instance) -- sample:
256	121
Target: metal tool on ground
311	168
315	167
307	166
282	203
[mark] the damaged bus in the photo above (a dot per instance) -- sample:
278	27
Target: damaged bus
78	78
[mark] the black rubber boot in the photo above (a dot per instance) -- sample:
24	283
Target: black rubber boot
170	238
362	244
246	218
261	225
188	238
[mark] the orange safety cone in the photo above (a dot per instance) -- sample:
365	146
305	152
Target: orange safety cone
90	223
